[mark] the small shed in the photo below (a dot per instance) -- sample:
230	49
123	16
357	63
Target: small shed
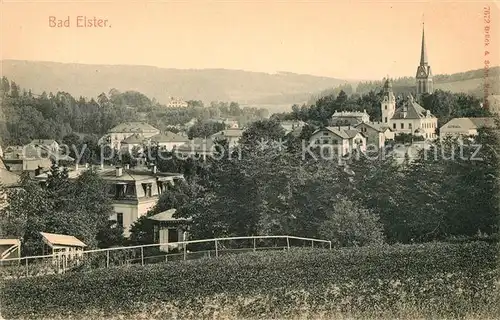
10	248
169	230
62	245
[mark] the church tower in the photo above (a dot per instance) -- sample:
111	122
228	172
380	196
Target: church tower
388	104
424	73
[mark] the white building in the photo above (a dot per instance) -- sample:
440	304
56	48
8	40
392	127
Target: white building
232	135
376	134
410	118
464	127
176	103
340	140
345	118
168	140
117	134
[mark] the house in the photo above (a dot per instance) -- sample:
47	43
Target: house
168	140
464	127
410	118
176	103
376	134
346	118
135	141
66	250
232	136
18	159
117	134
292	125
10	249
200	148
133	192
169	230
339	140
49	145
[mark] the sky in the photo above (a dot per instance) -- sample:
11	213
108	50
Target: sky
342	39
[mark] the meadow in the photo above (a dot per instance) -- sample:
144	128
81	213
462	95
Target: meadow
434	280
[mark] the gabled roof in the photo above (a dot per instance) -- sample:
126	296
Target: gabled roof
168	216
413	111
380	127
61	239
168	137
134	139
469	123
349	114
138	127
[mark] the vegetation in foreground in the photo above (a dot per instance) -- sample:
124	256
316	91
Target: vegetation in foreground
432	280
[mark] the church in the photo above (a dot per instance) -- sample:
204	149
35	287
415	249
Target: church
411	118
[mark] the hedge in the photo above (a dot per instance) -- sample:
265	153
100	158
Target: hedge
435	280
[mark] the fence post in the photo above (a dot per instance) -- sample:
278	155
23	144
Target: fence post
312	243
142	255
27	272
107	258
330	244
216	249
288	242
184	245
254	244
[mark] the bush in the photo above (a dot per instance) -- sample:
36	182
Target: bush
433	280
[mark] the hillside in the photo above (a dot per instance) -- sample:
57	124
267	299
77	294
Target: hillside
205	84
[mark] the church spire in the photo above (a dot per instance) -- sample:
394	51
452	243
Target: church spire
423	52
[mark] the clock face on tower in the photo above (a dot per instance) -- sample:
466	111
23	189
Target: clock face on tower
422	73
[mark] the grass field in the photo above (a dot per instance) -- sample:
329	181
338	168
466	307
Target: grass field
438	281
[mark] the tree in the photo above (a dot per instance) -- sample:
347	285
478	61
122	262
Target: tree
349	224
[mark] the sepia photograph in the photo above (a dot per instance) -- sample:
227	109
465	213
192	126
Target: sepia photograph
249	159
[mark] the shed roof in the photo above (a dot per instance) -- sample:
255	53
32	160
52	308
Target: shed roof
61	239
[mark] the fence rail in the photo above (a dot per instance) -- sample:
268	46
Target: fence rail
150	253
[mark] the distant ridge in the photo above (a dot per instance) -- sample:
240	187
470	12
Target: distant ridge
89	80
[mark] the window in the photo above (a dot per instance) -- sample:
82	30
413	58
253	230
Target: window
325	141
385	108
334	141
119	219
409	126
394	126
402	125
147	189
317	141
173	235
385	119
325	133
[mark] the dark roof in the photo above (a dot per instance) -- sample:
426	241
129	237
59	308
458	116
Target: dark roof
380	127
413	111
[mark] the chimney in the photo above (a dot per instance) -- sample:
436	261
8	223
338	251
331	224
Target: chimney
119	171
127	166
154	169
